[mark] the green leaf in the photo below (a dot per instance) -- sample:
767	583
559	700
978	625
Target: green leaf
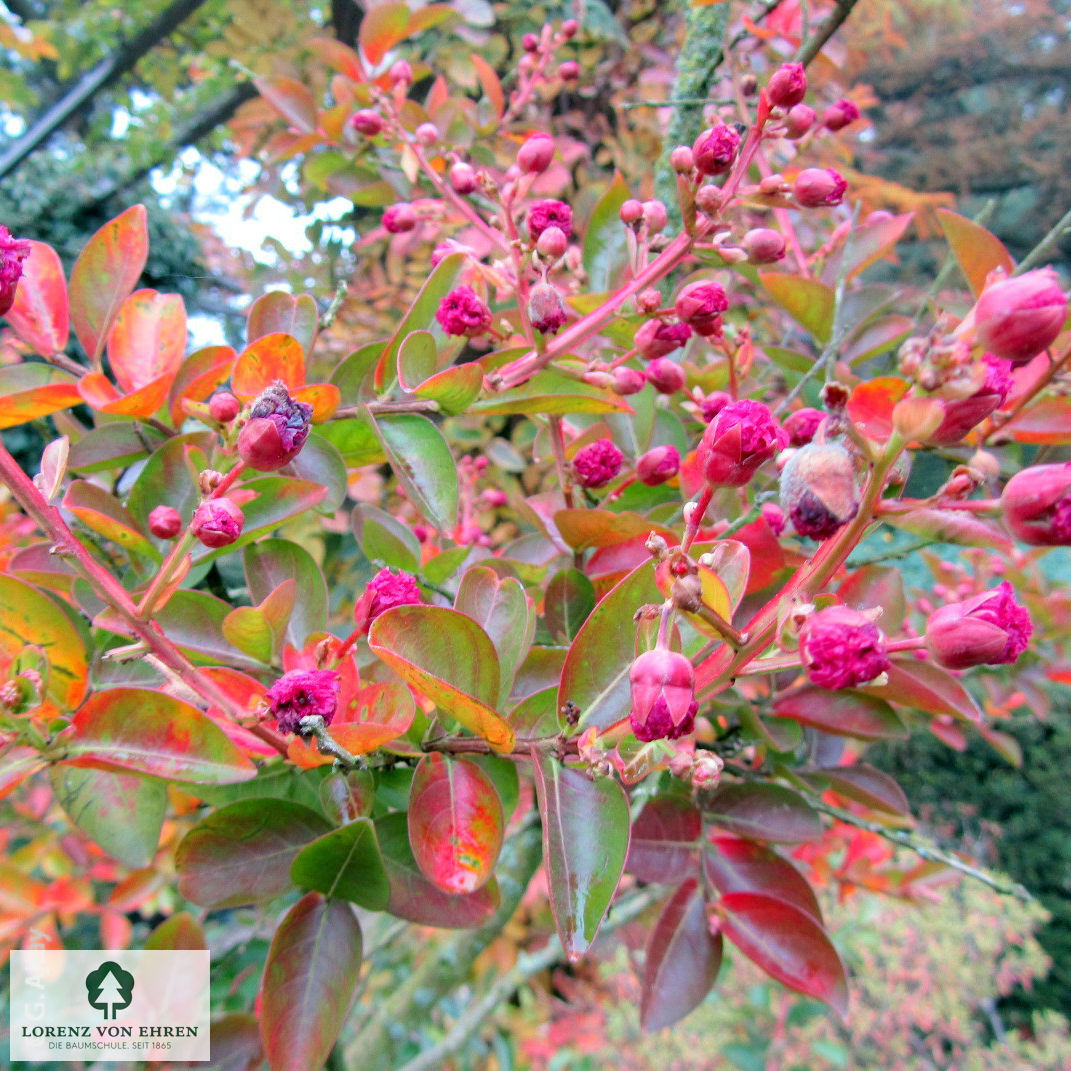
422	461
551	392
454	388
169	477
104	514
418	358
355	439
605	244
585	842
806	300
278	311
568	603
382	537
320	462
271	562
309	981
345	863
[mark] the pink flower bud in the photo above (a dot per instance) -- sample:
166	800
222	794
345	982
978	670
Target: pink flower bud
427	134
648	301
715	149
400	218
545	214
708	199
552	243
802	424
462	313
655	216
681	160
658	465
631	211
223	407
763	245
838	116
1037	505
276	430
700	306
301	692
385	591
546	310
988	630
217	522
569	71
530	42
1018	318
400	73
596	464
737	441
663	695
666	376
774	516
842	648
714	403
629	381
962	414
366	122
816	187
165	522
535	155
787	85
13	251
818	489
799	120
463	178
570	28
656	338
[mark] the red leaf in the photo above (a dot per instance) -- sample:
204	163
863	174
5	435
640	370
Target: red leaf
871	405
881	586
763	812
29	391
382	27
788	945
1047	423
309	981
105	275
291	99
734	865
682	960
39	314
844	713
664	840
198	376
148	339
977	250
455	823
928	688
868	786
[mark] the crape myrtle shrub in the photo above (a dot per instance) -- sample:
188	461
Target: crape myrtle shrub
590	502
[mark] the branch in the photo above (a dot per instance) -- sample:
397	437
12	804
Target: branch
815	44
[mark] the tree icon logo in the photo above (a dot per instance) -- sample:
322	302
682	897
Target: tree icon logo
110	988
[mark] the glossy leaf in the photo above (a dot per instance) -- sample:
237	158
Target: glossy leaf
153	733
266	359
551	392
278	312
39	314
309	982
928	688
866	785
104	276
763	812
605	248
148	339
567	604
418	358
449	658
664	842
977	250
383	538
422	461
454	388
734	865
455	823
414	898
104	514
345	864
198	377
270	563
808	301
242	852
30	391
682	960
585	843
879	586
844	713
788	945
291	99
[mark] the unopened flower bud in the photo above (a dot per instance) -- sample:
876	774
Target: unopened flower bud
799	120
535	155
658	465
1037	505
366	122
787	85
13	251
596	464
400	218
749	84
763	245
816	187
842	648
463	178
714	403
530	42
570	28
715	149
656	338
706	771
963	414
546	214
628	381
631	211
427	134
546	310
990	629
223	407
681	160
663	696
801	425
666	376
774	516
552	243
217	522
276	430
818	489
569	71
400	74
1018	318
165	522
462	313
648	301
838	116
300	693
709	199
737	441
208	480
655	216
700	305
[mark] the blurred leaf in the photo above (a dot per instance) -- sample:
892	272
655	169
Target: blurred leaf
879	586
291	99
605	246
179	931
866	785
928	688
1045	423
808	301
382	537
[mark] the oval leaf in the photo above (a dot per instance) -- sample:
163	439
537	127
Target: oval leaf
734	865
148	339
422	461
39	313
345	863
763	812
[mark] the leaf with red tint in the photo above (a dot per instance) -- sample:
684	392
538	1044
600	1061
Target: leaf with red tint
788	945
242	853
309	982
808	301
664	841
977	250
868	243
98	393
198	376
455	823
39	314
266	359
682	960
844	713
291	99
866	785
492	87
247	693
104	514
29	391
953	526
414	898
150	732
878	336
16	764
278	312
734	865
105	274
949	733
148	339
583	529
585	844
382	27
338	57
767	555
1046	423
877	586
763	812
180	931
871	405
928	688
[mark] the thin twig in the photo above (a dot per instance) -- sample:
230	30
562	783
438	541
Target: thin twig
1041	250
812	47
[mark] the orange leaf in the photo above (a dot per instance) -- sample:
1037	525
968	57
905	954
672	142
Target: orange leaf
871	405
148	339
29	391
291	99
263	361
382	28
97	391
492	87
39	314
976	249
324	399
200	374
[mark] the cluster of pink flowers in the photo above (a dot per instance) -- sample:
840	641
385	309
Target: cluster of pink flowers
463	313
13	251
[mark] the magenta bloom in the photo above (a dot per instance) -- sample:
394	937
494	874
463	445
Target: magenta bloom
663	696
656	338
737	441
597	463
715	149
546	310
462	313
13	251
838	116
787	85
544	214
700	306
385	591
217	522
801	425
400	218
1037	505
276	430
842	648
367	122
165	522
302	692
816	187
987	630
818	489
962	414
1018	318
658	465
